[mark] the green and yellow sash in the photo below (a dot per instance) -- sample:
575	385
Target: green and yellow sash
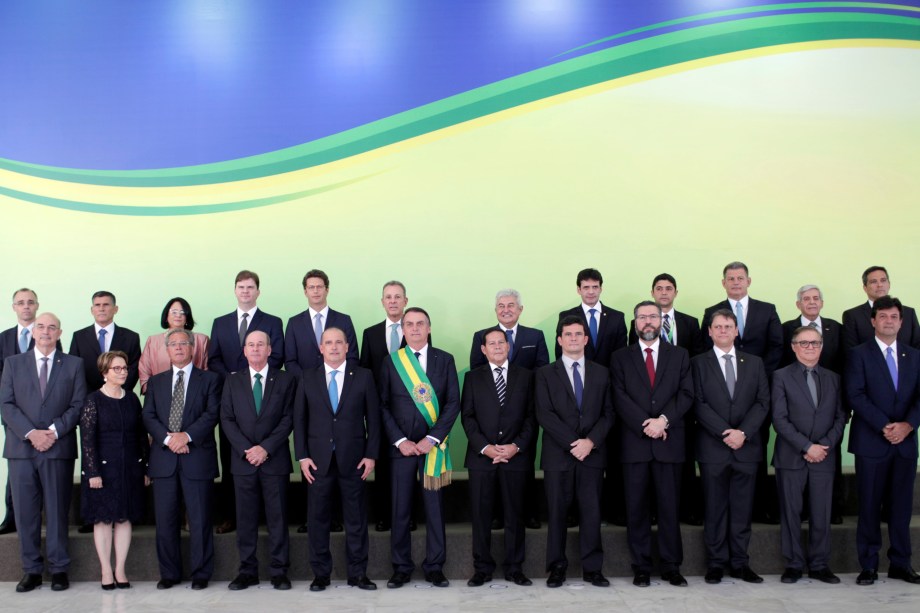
437	463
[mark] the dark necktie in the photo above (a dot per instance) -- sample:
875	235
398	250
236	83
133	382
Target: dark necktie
243	327
650	366
101	341
500	385
177	404
812	386
509	335
578	384
592	326
257	393
666	329
43	376
729	375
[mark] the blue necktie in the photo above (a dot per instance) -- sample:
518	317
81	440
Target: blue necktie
592	327
394	337
318	328
24	340
892	367
739	313
578	384
334	391
102	341
509	335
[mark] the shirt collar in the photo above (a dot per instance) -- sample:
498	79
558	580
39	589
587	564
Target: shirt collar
720	353
884	347
324	312
503	365
263	372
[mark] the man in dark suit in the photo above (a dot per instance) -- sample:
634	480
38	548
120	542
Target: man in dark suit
857	322
652	391
809	421
181	408
883	386
407	387
732	401
759	333
225	357
810	301
336	439
497	414
41	393
91	342
684	331
527	349
573	404
258	418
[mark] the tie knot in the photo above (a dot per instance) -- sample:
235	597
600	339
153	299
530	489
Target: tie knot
258	376
667	317
102	332
648	351
574	365
180	375
317	317
334	372
45	359
418	354
592	311
245	316
727	357
499	369
888	350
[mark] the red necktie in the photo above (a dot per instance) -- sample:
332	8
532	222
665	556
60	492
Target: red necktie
650	366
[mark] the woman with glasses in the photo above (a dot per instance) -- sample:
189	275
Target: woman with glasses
176	314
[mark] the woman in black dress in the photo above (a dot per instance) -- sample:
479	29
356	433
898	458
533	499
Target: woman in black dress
115	450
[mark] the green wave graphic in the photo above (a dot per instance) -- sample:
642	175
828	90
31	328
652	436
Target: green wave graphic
635	57
163	211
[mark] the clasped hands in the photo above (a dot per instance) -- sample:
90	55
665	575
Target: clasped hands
408	448
42	440
655	427
733	438
816	453
896	432
178	442
500	454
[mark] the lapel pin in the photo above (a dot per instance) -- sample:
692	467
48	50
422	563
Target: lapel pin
741	360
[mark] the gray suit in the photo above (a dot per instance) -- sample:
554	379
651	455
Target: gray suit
41	478
799	424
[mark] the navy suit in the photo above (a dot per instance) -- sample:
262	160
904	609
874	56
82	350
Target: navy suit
301	353
265	486
611	334
401	419
876	403
688	333
193	473
85	344
857	327
41	479
337	441
530	350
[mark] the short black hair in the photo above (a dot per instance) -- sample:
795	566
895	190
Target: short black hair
571	320
665	277
488	331
316	274
887	302
589	274
727	313
417	310
735	266
189	320
871	270
104	294
646	303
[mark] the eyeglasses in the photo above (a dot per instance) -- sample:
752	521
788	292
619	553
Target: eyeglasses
119	369
806	344
652	317
176	312
177	343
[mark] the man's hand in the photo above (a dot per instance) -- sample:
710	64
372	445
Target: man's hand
655	427
424	446
367	465
307	465
816	453
896	432
581	448
408	448
42	440
256	455
733	438
492	452
178	441
507	451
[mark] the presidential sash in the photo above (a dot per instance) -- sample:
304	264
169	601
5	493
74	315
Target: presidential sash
437	462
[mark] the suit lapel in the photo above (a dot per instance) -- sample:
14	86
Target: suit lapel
799	381
348	380
638	360
510	382
716	372
55	371
564	377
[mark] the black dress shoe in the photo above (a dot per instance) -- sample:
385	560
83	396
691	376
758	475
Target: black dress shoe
596	579
362	583
745	574
243	581
199	584
225	527
8	526
903	573
437	579
336	526
836	519
123	586
867	576
532	522
824	575
85	529
766	518
792	575
618	520
642	579
28	583
281	582
497	524
674	578
413	525
165	584
556	578
691	520
398	580
59	582
381	526
714	575
571	521
302	528
478	579
319	584
518	578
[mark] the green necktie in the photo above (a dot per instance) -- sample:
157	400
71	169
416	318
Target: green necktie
257	393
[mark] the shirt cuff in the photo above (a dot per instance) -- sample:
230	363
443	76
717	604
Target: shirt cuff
433	440
53	429
400	442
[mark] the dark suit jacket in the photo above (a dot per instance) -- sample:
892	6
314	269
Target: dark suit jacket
374	347
486	422
876	403
9	344
611	334
635	400
301	353
85	344
857	327
763	334
688	333
225	354
799	423
556	411
270	428
23	409
716	411
200	415
401	418
351	433
831	352
530	350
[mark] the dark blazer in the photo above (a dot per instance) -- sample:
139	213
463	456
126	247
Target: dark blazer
530	350
876	403
351	433
486	422
799	423
200	415
635	400
556	411
688	333
9	344
270	428
225	354
23	409
763	334
831	352
301	353
85	344
716	411
374	347
857	327
611	334
401	418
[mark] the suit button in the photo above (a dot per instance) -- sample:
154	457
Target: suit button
334	420
654	401
331	441
500	432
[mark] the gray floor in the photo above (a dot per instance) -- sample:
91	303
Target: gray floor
500	596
